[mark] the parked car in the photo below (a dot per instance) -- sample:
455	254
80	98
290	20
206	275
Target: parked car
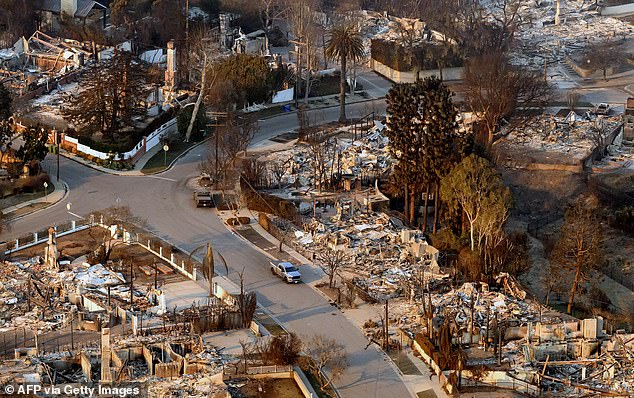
203	199
602	109
286	271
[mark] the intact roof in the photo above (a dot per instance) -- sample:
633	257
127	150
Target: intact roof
83	6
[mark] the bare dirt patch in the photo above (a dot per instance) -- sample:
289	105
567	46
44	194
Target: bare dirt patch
271	388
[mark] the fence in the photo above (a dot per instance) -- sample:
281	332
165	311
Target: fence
163	250
519	386
166	253
139	149
618	276
274	371
39	237
535	226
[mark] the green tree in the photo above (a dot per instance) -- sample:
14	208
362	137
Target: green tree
475	187
406	142
184	116
423	135
345	44
34	147
249	75
578	250
113	94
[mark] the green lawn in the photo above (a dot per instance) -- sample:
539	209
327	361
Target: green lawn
158	162
13	200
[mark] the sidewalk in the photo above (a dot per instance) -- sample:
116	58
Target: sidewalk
138	166
31	206
421	379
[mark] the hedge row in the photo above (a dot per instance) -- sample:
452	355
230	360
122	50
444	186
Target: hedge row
402	59
132	139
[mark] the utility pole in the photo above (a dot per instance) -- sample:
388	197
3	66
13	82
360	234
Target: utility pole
131	288
28	294
385	337
220	120
57	139
298	66
72	334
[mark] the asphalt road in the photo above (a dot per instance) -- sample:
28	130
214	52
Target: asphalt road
164	202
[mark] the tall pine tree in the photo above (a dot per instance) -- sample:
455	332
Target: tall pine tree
424	139
113	94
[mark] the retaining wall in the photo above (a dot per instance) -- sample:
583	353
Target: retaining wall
618	10
410	77
73	145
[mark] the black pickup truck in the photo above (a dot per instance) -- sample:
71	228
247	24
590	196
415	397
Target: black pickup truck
203	199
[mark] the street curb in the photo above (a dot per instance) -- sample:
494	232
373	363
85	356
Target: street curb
321	107
127	174
258	248
175	159
66	192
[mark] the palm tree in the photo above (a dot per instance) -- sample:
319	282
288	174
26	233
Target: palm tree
345	44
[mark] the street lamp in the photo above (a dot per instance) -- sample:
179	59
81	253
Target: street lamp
165	149
56	138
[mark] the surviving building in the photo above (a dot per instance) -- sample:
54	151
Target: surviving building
88	12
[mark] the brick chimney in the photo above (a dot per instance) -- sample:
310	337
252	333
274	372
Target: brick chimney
170	72
68	7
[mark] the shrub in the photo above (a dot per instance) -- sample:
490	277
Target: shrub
32	183
184	117
401	59
470	264
623	219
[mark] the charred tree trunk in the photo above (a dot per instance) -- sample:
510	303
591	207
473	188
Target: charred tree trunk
436	206
425	208
573	289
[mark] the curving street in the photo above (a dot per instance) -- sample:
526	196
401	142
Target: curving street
164	202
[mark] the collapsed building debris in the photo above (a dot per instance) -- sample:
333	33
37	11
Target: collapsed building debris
300	167
563	138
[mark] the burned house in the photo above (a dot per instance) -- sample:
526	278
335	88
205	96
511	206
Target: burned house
628	121
88	12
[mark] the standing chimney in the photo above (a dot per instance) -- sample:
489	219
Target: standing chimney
170	72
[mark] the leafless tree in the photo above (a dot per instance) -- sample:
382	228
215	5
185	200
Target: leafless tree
278	170
331	262
497	90
572	98
124	221
232	137
325	354
578	250
552	280
598	134
318	163
604	55
254	172
247	302
271	11
201	56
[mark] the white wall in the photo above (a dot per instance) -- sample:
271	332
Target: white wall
618	10
152	140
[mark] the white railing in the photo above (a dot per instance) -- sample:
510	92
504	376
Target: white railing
35	239
171	260
145	145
